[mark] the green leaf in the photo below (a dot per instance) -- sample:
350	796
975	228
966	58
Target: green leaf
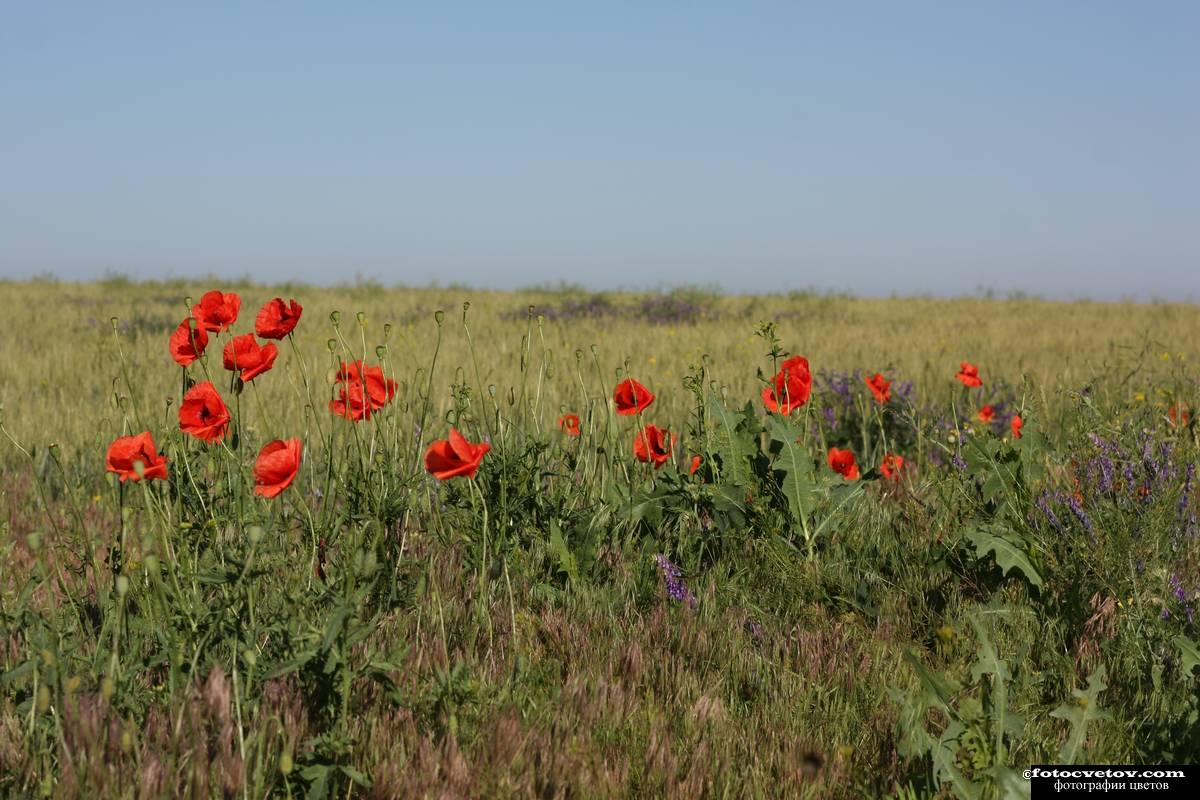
796	465
1189	655
566	559
733	444
1009	554
938	689
1080	712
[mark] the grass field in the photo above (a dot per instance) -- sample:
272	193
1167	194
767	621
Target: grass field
571	621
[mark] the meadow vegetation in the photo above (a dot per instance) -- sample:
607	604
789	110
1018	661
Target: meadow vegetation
763	605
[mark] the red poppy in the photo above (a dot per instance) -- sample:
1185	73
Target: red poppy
1179	416
881	387
126	452
277	319
843	463
891	465
245	354
449	458
986	414
364	392
790	387
187	343
968	374
203	413
217	311
1015	424
631	397
277	465
696	462
652	444
569	424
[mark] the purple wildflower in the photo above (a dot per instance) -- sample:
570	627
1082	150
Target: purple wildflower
1080	514
673	582
1043	503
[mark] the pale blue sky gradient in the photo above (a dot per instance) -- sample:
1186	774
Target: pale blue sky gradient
870	147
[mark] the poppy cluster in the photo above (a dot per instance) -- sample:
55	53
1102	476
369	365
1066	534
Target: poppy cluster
790	388
651	444
362	391
203	414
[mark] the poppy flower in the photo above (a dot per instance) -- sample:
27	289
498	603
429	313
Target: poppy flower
881	387
188	343
277	465
652	444
1015	424
126	452
790	387
968	374
986	414
631	397
244	353
203	413
696	462
277	319
569	424
891	465
1179	416
217	311
449	458
364	392
843	463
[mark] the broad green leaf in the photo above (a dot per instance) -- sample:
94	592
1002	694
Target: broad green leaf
564	556
1189	655
1080	712
796	465
733	445
1009	555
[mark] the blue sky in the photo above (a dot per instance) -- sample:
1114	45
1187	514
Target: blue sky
870	147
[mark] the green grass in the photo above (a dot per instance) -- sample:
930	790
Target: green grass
375	632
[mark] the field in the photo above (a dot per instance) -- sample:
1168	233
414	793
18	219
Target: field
560	618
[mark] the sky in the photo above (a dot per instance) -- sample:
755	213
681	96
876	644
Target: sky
875	148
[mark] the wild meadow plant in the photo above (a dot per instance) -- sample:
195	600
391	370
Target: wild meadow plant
333	576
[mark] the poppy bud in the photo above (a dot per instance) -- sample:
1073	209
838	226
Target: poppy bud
249	657
362	319
115	322
43	699
122	585
107	688
335	317
126	741
332	345
439	316
381	352
387	329
285	764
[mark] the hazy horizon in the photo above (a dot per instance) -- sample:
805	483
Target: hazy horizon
939	150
